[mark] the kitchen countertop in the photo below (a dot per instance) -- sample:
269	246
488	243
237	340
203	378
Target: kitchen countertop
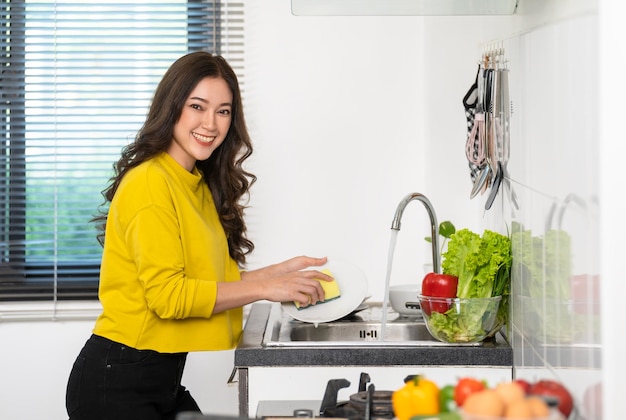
252	353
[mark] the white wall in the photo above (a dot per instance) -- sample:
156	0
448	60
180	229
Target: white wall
347	114
335	108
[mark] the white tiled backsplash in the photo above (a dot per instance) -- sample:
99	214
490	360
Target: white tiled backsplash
554	174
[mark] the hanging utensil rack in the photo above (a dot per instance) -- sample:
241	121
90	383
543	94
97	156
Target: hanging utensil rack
488	141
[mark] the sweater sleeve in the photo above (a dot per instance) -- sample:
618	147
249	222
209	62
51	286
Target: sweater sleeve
154	240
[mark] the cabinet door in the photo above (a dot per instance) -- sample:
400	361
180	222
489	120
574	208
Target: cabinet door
309	383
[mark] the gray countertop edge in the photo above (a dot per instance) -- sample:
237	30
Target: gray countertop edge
251	353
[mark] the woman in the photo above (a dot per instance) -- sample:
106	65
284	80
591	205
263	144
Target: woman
174	241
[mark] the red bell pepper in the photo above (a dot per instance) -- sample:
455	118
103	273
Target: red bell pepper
438	285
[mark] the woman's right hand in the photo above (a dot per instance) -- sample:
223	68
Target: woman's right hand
289	281
293	280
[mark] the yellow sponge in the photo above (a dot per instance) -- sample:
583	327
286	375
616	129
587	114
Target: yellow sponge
331	290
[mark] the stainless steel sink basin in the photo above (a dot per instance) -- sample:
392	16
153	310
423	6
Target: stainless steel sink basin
359	331
364	329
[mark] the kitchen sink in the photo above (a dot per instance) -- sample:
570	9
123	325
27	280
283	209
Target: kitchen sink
359	331
362	329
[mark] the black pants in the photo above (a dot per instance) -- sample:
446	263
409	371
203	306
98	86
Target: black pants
110	381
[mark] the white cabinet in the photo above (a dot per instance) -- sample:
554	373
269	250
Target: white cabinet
309	383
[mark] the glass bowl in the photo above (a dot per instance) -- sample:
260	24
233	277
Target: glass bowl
460	320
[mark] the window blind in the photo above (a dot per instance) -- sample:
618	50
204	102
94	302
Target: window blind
76	80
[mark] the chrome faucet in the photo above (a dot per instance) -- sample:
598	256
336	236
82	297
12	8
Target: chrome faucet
434	226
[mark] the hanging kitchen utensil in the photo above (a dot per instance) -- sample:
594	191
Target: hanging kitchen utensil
498	128
474	114
481	181
495	186
488	171
494	129
506	136
479	144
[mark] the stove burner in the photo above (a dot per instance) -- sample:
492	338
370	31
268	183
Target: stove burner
379	403
364	405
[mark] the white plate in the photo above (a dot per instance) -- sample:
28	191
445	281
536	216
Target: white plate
352	285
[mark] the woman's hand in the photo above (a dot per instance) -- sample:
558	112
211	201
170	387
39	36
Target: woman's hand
283	282
288	281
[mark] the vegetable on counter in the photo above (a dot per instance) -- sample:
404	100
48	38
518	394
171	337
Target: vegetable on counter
465	387
524	384
554	389
438	285
482	264
508	401
418	396
446	399
483	267
473	398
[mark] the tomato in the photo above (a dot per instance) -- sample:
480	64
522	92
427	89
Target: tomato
446	399
550	388
438	285
465	387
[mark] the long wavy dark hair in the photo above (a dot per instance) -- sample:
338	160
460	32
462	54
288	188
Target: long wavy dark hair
222	171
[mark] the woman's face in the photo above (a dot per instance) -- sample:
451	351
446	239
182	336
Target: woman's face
203	123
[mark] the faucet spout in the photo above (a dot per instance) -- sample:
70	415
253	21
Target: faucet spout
434	226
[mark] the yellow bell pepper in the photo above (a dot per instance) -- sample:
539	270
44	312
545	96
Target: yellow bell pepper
418	396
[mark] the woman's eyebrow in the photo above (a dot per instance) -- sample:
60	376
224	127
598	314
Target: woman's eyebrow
197	98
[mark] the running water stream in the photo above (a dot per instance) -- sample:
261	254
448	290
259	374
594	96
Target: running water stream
392	247
395	228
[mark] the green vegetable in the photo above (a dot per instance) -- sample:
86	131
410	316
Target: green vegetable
446	399
481	264
483	267
446	230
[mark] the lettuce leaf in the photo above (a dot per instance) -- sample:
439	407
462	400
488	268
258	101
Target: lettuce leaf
483	267
482	264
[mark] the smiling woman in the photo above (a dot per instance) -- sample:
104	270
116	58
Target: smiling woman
172	277
77	82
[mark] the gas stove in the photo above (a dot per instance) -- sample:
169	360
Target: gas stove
366	404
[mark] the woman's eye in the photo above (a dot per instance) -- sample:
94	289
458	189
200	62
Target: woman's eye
196	106
225	111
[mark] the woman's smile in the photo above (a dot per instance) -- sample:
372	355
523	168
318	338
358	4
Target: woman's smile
202	138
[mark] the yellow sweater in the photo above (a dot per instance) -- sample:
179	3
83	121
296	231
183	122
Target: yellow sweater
165	250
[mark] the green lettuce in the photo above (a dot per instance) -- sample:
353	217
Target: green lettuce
482	264
483	267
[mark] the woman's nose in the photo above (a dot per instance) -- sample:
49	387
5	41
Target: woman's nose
208	121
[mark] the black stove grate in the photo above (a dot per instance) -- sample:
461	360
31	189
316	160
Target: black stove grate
367	404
